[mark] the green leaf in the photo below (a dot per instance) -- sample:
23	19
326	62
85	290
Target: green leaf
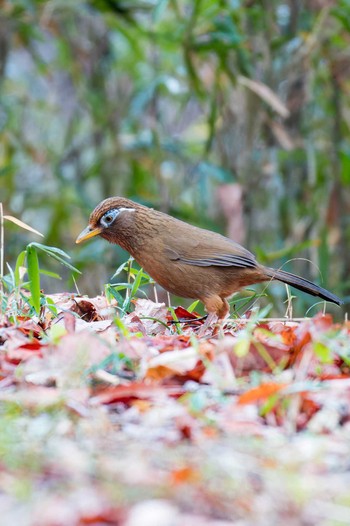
50	274
323	352
112	291
50	250
137	283
34	277
120	269
193	306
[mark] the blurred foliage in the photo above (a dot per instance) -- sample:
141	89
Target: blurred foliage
166	101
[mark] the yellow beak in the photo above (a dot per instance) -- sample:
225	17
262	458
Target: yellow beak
87	233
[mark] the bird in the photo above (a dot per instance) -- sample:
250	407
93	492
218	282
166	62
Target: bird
186	260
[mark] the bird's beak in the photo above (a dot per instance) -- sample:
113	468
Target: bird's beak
87	233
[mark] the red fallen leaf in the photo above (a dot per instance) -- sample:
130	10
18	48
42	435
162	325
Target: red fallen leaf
126	393
183	314
260	393
23	353
33	345
112	516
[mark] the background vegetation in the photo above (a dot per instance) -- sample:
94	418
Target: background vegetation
233	115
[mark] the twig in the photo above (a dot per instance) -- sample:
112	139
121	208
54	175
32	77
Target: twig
289	312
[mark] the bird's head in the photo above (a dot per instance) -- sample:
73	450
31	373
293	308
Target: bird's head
110	219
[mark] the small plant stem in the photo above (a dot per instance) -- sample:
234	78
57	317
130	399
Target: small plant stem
76	286
155	293
128	270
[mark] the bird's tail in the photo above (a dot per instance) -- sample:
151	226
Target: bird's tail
302	284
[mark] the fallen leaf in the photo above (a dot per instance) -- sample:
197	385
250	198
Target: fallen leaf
260	393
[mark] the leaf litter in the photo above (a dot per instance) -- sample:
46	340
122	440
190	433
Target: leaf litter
136	420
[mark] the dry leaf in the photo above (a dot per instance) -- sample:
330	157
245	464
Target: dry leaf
266	94
20	223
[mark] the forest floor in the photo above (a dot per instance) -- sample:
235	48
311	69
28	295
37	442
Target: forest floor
139	421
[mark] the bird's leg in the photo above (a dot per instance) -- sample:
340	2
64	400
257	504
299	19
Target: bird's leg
217	308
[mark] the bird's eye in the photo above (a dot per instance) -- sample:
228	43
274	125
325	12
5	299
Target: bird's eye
109	217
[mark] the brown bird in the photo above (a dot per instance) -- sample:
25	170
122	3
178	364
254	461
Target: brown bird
186	260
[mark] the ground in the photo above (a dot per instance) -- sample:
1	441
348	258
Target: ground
138	421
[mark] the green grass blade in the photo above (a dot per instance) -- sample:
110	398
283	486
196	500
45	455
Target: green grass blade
34	276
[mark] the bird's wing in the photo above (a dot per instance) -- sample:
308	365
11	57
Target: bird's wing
235	256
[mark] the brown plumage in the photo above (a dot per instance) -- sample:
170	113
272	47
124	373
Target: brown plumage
186	260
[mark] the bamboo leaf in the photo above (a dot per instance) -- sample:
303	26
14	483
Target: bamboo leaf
20	223
57	254
50	250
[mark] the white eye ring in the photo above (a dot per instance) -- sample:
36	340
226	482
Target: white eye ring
108	218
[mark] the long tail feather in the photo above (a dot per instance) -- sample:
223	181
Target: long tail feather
303	284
